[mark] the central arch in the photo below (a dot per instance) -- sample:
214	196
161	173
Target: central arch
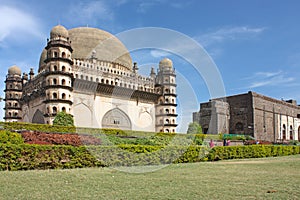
38	117
116	118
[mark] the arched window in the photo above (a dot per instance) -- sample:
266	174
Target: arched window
54	95
47	109
173	121
167	111
9	114
63	68
81	76
299	133
54	109
107	81
63	109
102	80
55	68
9	104
54	81
97	80
15	114
87	78
112	82
16	104
173	111
63	96
167	121
63	82
63	54
291	132
167	130
91	78
167	100
239	126
283	132
76	75
55	54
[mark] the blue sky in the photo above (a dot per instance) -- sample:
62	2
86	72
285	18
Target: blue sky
254	44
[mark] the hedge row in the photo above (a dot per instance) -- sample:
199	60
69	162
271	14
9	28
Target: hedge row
26	157
251	151
66	129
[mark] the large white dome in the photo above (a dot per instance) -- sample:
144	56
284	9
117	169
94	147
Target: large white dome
87	41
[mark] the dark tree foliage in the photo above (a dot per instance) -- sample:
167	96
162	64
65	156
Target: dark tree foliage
63	119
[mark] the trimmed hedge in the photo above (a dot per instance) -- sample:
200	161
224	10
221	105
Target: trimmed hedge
7	137
251	151
27	157
20	126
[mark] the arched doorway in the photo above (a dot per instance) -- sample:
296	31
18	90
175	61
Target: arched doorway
299	133
38	117
284	132
291	133
116	118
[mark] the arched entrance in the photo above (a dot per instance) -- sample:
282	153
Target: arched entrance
38	117
299	133
284	132
116	118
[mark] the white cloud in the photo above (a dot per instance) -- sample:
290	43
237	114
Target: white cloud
91	12
145	6
262	79
231	33
17	24
159	53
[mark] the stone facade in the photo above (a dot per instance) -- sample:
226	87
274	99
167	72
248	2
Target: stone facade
89	73
252	114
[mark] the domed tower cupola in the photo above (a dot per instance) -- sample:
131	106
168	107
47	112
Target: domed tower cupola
59	32
57	65
166	109
165	64
13	93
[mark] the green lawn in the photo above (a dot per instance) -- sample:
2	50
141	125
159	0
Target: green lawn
268	178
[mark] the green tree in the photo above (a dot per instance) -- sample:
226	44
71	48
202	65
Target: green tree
63	119
194	128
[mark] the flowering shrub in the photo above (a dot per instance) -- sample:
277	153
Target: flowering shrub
34	137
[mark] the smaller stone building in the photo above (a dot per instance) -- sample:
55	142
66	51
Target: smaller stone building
251	114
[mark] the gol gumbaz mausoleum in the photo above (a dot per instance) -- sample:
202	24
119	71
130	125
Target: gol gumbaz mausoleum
89	73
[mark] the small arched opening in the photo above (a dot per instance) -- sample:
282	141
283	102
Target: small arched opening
284	132
291	133
54	109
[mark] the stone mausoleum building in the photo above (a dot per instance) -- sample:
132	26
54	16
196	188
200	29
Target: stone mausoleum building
89	73
252	114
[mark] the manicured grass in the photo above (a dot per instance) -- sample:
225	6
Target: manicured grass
267	178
